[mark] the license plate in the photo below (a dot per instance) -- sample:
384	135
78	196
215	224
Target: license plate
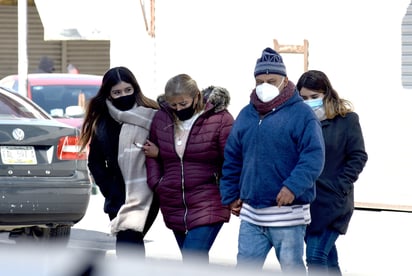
18	155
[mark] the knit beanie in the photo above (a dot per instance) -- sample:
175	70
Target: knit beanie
270	63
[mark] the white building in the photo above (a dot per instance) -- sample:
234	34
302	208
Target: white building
358	44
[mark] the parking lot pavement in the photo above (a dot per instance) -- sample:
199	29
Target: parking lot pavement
377	243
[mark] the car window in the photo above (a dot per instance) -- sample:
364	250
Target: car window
10	83
15	106
55	99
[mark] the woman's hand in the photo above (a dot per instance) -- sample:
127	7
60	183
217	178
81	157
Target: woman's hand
150	149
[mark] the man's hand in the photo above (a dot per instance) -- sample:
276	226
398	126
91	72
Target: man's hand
284	197
235	207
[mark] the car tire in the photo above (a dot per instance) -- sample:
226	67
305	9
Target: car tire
59	234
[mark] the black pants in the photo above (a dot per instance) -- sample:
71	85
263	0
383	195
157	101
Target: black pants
131	242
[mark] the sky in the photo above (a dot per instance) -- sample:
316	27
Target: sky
356	43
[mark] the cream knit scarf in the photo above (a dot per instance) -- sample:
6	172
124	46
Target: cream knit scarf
133	134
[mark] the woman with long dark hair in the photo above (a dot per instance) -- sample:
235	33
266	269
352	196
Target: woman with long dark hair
117	125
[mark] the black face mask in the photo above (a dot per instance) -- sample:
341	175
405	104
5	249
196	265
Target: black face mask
125	102
185	114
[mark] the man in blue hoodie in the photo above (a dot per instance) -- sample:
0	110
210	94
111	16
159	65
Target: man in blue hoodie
273	156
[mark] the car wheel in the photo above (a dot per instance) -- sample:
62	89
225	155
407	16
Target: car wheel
59	234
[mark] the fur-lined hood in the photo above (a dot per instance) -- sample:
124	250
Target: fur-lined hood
218	96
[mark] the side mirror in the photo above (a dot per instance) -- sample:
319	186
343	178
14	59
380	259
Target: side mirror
57	112
74	111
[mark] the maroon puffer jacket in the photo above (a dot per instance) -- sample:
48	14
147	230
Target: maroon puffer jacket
188	188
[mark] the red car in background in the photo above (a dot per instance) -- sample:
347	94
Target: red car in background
64	96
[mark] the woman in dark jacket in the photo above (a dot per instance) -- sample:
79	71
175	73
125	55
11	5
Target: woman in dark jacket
345	158
190	131
117	121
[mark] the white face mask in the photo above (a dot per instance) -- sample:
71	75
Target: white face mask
320	113
267	92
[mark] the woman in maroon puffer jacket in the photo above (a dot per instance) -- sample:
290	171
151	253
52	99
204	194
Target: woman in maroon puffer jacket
190	132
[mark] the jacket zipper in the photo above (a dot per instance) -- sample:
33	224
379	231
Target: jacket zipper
182	172
183	196
183	179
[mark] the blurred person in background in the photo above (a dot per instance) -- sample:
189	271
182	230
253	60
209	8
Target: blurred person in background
190	132
117	125
46	65
71	69
345	158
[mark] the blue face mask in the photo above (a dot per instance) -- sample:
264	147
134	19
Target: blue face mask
314	103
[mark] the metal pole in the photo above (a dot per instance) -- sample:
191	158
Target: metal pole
22	47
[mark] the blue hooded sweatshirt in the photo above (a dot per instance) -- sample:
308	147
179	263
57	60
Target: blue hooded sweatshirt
263	154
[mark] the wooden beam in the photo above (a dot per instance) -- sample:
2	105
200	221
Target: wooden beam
372	206
149	29
152	18
144	15
14	2
294	49
290	49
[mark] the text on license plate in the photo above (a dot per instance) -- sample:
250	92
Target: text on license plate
18	155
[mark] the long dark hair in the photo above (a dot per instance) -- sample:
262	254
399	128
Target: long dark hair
318	81
97	107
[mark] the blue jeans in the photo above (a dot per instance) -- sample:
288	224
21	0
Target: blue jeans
256	241
321	253
196	243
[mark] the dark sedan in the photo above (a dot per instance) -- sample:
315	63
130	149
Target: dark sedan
44	182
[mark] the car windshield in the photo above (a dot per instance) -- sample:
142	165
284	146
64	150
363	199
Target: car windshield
14	106
63	100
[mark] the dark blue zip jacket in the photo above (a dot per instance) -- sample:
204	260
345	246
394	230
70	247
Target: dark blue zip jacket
345	158
263	154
